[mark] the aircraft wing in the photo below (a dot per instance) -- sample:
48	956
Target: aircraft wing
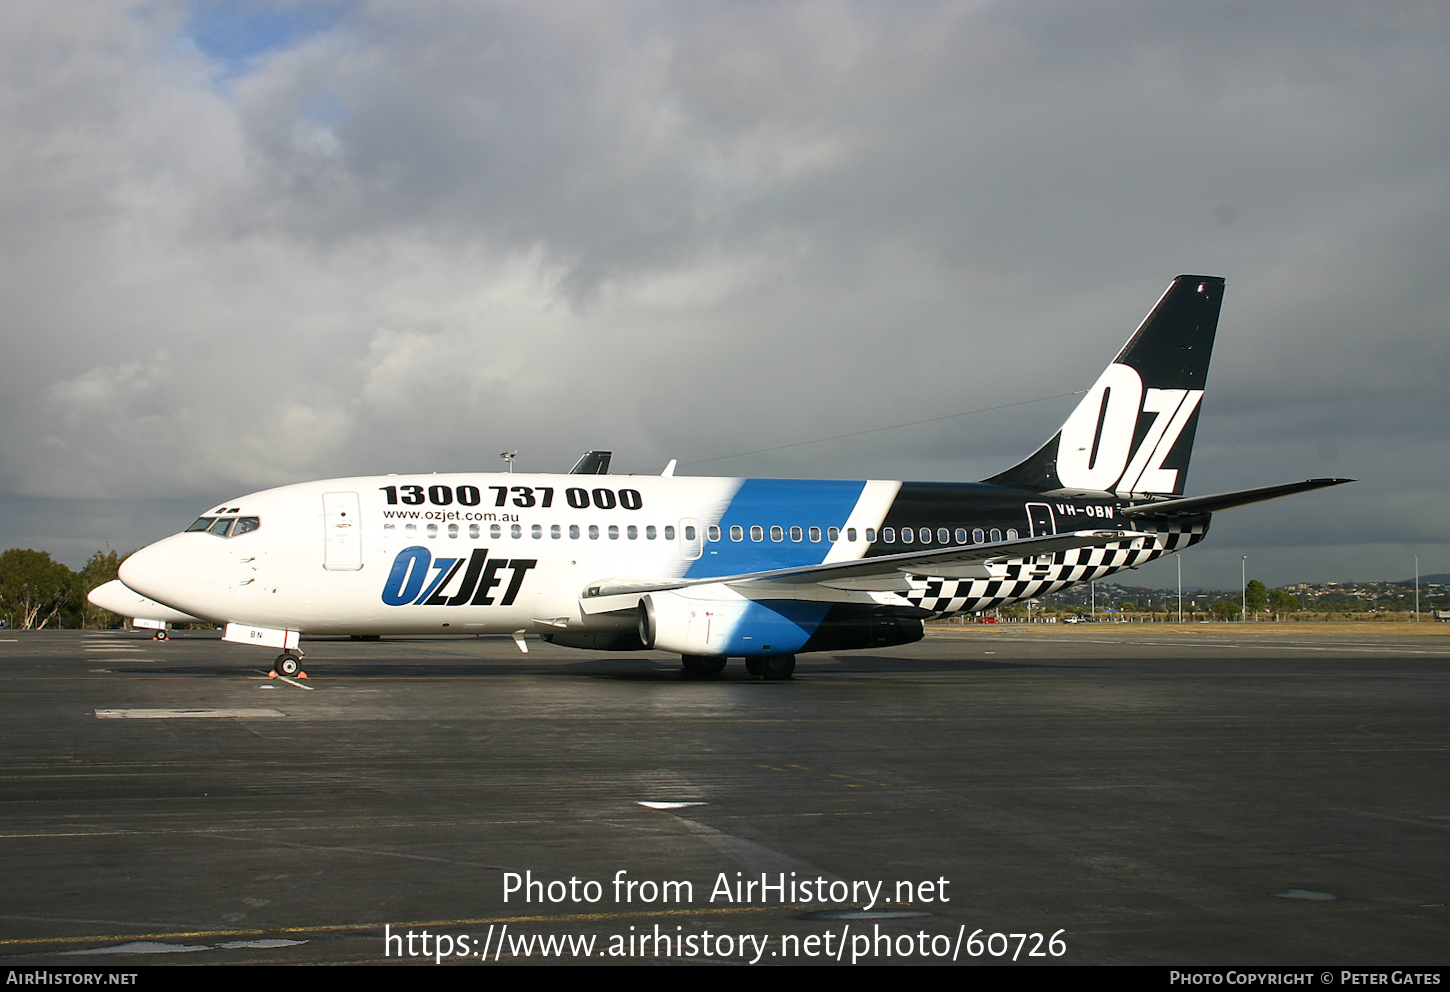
1194	505
868	573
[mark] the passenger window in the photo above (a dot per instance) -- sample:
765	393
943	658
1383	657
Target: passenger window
888	535
815	535
978	535
389	530
777	534
669	533
908	536
632	532
573	532
593	532
221	527
996	535
943	536
926	535
961	535
850	533
614	532
554	532
453	531
713	533
689	533
473	532
737	533
796	534
516	531
536	531
411	529
650	533
757	533
1011	533
201	523
871	535
495	532
834	534
245	525
432	531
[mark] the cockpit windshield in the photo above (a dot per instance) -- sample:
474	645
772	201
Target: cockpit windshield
226	526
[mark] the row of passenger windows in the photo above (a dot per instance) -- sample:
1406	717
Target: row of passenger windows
887	535
225	526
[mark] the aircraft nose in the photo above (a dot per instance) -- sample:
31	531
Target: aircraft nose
155	570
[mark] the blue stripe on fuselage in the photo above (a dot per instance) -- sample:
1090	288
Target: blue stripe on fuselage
784	503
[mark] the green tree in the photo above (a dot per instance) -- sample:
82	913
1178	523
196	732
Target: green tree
34	589
1282	601
1256	596
1226	609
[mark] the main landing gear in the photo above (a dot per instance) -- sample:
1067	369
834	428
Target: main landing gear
699	666
289	663
771	667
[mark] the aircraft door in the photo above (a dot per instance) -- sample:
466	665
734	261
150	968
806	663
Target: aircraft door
1039	516
342	532
692	539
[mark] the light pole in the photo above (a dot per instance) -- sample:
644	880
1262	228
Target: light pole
1179	562
1244	584
509	457
1417	588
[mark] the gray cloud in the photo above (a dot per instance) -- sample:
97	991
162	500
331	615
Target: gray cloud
429	232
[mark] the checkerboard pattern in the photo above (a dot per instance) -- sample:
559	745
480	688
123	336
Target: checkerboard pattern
1032	578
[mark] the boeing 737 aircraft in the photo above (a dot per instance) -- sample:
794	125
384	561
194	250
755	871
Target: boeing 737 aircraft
710	568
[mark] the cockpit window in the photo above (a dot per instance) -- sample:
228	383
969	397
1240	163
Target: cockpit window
226	526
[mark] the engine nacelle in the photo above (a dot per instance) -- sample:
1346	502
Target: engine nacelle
671	621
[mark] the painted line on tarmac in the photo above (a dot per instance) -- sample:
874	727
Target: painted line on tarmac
238	713
344	927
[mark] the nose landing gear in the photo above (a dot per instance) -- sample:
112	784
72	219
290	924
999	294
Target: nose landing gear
289	663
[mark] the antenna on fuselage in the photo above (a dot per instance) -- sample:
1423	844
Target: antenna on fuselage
509	457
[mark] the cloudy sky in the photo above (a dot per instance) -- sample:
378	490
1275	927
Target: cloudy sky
252	244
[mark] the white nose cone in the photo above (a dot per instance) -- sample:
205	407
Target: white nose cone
122	600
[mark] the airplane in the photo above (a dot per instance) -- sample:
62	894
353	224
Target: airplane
717	568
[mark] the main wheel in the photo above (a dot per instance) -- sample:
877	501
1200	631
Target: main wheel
777	667
702	667
287	664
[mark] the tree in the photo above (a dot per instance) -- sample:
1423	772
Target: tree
1282	601
1256	597
1226	609
34	589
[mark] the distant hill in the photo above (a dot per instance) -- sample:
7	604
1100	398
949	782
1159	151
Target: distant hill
1443	578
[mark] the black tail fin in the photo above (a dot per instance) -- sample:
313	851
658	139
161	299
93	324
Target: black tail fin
1133	431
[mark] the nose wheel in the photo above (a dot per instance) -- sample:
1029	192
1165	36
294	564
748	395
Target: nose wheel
289	663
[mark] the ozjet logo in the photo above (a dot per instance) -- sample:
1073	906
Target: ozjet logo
1098	437
409	582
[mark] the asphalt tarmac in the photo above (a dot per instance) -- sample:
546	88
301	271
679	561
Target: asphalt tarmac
1119	794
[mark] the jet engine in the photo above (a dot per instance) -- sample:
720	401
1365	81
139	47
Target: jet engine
670	621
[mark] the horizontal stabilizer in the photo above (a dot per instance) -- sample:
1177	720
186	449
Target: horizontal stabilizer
1195	505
